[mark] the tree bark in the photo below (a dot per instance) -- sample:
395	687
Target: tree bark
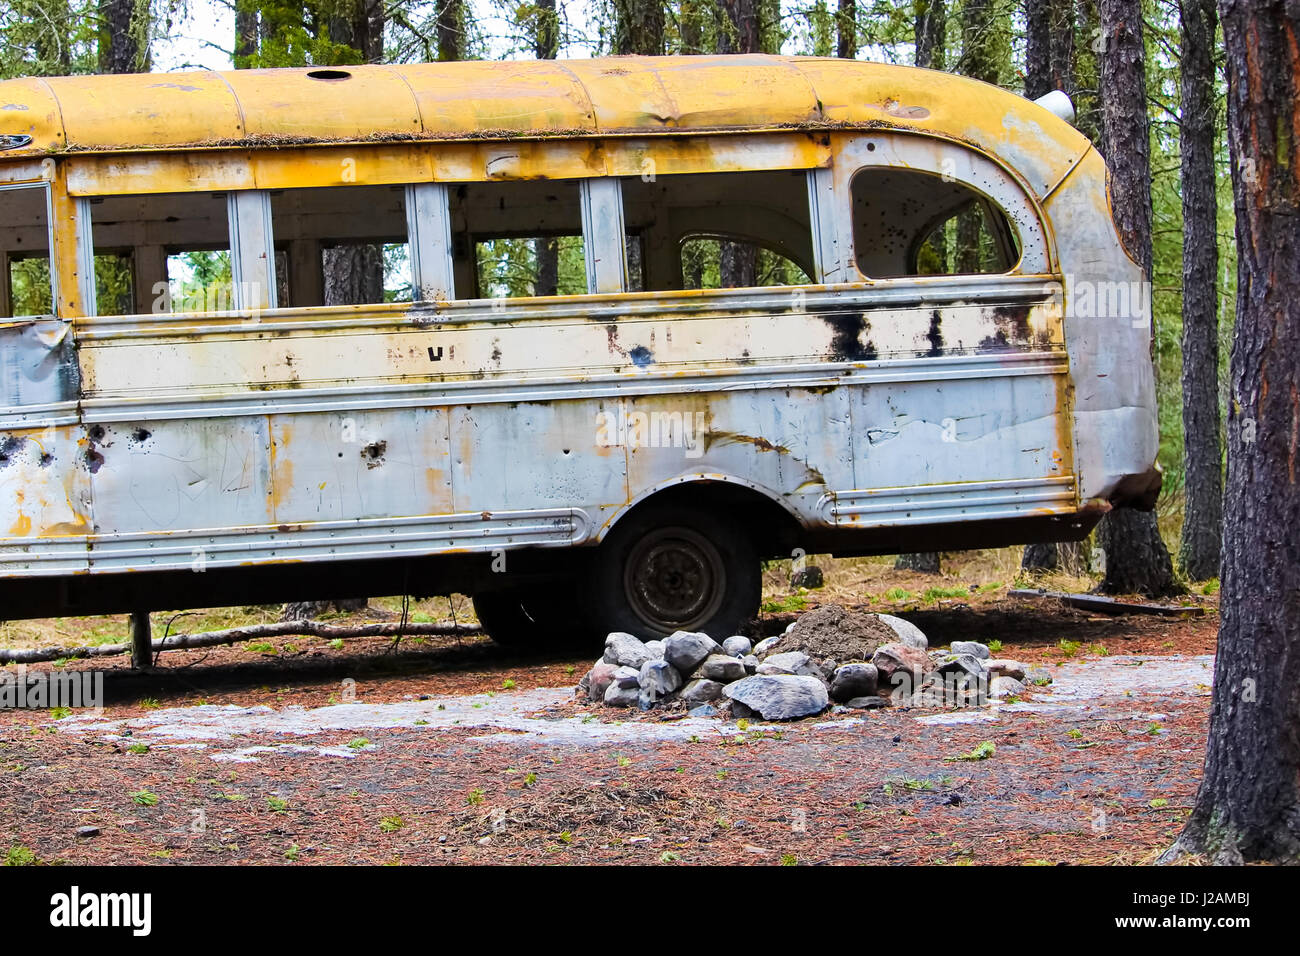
1086	71
931	33
926	562
846	29
1137	560
1248	804
1049	46
1202	456
639	27
246	34
450	30
123	37
690	26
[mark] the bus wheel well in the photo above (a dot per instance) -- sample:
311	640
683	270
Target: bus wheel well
773	530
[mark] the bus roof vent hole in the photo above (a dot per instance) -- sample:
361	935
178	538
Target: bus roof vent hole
330	75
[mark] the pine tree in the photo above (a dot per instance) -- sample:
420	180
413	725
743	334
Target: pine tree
1248	804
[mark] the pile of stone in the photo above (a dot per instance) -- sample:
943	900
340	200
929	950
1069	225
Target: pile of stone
886	660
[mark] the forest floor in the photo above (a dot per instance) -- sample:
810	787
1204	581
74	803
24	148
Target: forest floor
435	750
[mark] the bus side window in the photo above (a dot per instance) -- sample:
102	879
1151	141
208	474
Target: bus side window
718	230
341	245
908	223
517	239
27	287
160	254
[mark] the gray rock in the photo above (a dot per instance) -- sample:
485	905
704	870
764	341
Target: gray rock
659	679
1005	687
1039	676
625	650
686	651
1001	667
616	696
762	647
704	710
628	678
853	680
809	577
973	648
701	692
827	668
598	680
780	696
737	645
908	633
751	664
788	663
721	668
900	658
87	831
656	649
867	703
963	664
740	712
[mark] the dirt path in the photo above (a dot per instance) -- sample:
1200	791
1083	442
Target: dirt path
332	760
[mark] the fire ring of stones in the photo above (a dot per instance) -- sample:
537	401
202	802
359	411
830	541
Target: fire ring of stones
858	661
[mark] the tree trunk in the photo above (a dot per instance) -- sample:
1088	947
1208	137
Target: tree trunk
1136	558
1049	46
639	27
846	29
450	30
690	26
245	34
123	36
1248	805
1202	457
931	33
926	562
1086	71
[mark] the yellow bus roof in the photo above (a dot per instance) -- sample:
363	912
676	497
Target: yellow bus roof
481	99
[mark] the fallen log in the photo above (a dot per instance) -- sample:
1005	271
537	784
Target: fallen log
1106	605
234	635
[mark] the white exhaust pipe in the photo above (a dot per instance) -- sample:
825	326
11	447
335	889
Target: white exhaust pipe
1058	103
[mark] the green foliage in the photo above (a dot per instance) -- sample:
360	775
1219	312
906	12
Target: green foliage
984	751
20	856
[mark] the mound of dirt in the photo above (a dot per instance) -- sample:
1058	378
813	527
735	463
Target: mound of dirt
833	633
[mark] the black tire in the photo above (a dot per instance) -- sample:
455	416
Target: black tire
675	568
536	615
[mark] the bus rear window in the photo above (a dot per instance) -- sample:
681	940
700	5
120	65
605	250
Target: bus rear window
908	223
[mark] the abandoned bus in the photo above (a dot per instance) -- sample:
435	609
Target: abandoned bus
587	340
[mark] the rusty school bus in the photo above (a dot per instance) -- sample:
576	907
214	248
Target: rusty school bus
587	340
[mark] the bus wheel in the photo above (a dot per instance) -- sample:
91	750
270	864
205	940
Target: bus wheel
676	569
537	615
